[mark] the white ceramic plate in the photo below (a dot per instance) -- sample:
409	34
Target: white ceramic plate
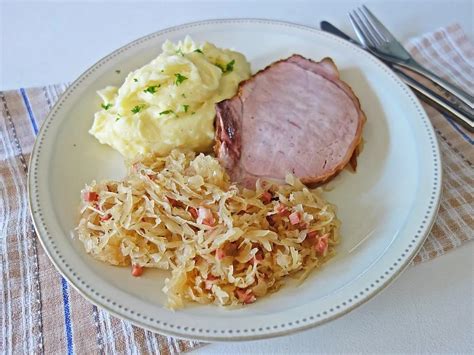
386	208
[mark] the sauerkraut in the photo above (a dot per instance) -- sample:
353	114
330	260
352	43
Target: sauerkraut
222	244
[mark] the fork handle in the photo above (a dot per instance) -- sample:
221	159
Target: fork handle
452	89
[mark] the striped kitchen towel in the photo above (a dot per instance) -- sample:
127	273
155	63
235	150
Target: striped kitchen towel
42	313
449	53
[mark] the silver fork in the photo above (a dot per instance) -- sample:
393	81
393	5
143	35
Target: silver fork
375	36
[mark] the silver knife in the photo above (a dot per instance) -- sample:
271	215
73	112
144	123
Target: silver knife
465	118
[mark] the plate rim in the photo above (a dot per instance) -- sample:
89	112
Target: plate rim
430	212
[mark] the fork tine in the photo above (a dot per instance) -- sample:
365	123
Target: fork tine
380	28
358	30
379	39
362	33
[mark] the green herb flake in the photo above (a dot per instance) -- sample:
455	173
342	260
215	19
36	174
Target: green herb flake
185	108
228	67
166	112
179	79
193	113
199	51
117	118
135	80
117	71
180	52
106	106
152	89
138	108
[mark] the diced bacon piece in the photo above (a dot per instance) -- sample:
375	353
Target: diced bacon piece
241	293
209	222
106	217
250	299
193	212
266	197
231	249
311	235
294	218
151	177
204	213
173	202
271	219
90	196
258	257
282	210
210	281
322	244
137	270
245	296
205	216
220	254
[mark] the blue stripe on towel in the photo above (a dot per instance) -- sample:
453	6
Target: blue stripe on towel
64	285
456	127
67	316
30	111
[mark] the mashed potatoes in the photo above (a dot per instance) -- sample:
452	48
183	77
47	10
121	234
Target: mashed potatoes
169	103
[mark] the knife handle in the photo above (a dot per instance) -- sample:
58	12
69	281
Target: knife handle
328	27
455	91
432	98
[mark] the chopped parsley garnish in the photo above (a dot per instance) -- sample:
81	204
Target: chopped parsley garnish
180	52
228	67
135	80
117	71
116	119
199	51
152	89
193	113
138	108
179	79
185	108
166	112
106	107
183	95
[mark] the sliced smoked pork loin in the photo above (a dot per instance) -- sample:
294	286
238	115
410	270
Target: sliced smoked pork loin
295	116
